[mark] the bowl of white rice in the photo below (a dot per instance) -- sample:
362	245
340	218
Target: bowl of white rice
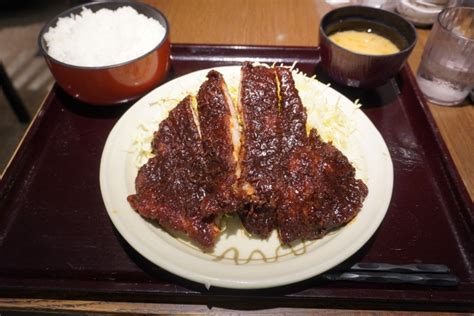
109	52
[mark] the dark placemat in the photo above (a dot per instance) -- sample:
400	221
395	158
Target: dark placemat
56	240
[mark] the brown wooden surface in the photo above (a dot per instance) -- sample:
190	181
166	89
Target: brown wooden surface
264	22
123	308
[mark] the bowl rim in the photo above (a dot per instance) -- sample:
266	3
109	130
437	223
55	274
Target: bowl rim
52	22
407	49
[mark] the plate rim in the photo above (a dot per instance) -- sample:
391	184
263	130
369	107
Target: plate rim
207	279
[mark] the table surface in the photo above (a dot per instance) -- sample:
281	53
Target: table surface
275	23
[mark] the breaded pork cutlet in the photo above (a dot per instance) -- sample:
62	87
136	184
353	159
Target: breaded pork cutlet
338	195
169	186
320	190
221	142
260	150
272	172
295	219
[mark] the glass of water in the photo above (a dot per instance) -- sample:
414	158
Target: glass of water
446	72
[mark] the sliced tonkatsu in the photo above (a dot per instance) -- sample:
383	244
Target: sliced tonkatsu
338	194
292	112
321	192
169	186
296	218
256	159
221	142
260	151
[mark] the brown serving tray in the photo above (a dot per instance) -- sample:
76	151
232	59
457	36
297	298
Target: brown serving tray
56	239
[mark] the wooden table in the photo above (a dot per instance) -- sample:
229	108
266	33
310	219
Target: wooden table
276	23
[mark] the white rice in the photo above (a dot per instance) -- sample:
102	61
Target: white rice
103	38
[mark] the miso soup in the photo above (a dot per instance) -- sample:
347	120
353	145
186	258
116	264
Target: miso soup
366	37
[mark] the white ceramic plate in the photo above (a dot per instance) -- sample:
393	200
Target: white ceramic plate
239	261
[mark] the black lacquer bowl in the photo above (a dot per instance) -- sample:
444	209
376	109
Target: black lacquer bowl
362	70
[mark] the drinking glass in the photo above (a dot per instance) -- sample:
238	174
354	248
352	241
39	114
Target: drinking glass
446	72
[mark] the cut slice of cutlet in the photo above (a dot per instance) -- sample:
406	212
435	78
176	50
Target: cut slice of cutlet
170	185
320	192
221	143
261	150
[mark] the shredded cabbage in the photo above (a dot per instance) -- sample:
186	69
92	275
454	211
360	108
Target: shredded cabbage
332	123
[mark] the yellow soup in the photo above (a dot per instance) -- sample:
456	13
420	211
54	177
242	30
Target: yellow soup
364	42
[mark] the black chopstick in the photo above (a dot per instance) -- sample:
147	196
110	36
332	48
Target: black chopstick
413	273
412	267
435	279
